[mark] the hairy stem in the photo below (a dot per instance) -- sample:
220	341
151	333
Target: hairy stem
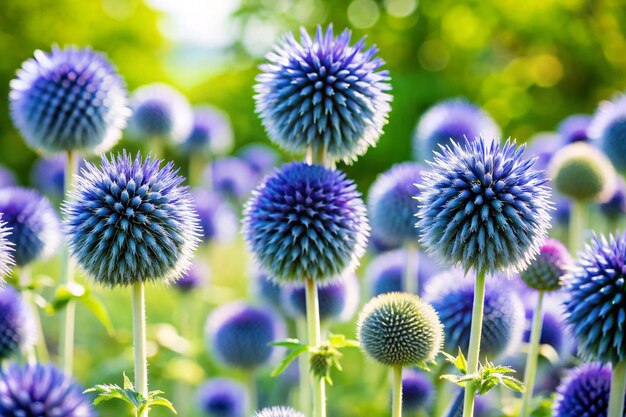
397	392
618	388
474	346
139	340
533	356
314	339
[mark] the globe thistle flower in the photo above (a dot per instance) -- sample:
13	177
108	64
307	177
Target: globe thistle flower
323	93
48	175
391	206
211	132
7	178
552	329
608	128
266	289
399	329
6	251
575	128
452	295
195	277
278	412
546	271
542	147
384	274
17	328
417	391
584	392
453	119
130	221
595	305
222	397
483	207
615	207
68	99
218	220
35	227
583	173
232	177
306	221
160	111
42	391
337	300
261	158
239	335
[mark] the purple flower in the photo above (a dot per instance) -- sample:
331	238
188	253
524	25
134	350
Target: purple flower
17	327
552	330
222	397
195	277
217	217
265	288
546	271
211	133
48	175
575	128
417	391
608	128
543	146
615	207
7	178
232	177
261	158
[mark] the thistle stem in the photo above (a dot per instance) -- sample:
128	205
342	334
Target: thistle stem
250	384
577	225
304	388
139	340
533	355
397	392
24	282
411	281
474	345
618	387
314	339
66	338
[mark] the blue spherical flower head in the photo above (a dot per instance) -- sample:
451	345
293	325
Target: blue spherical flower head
584	392
69	99
452	295
261	158
546	271
42	391
17	328
222	397
35	227
483	207
48	175
306	221
543	146
266	289
452	119
232	176
595	305
7	178
218	220
552	329
195	277
391	205
575	128
6	251
239	335
417	391
131	220
324	93
608	127
160	112
615	207
211	133
338	300
278	412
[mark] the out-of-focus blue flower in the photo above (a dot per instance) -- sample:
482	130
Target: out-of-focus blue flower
35	227
222	397
48	175
482	405
546	271
261	158
278	412
417	391
217	217
7	178
306	221
575	128
322	92
552	330
595	305
563	209
17	328
160	112
41	391
483	207
338	300
195	277
239	335
615	207
391	204
608	127
453	119
69	99
452	295
130	220
211	133
232	177
543	146
266	289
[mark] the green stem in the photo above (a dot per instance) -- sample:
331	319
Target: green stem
442	395
314	339
397	392
411	281
27	296
205	170
139	340
474	346
533	356
577	225
304	388
66	339
618	387
251	391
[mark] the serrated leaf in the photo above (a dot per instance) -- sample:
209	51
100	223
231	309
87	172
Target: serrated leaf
290	358
514	384
128	384
163	402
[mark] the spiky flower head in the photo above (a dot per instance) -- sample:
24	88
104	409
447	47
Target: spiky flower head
399	329
452	295
278	412
69	99
483	207
239	335
218	220
41	391
17	328
6	251
323	93
306	221
417	391
35	227
595	305
211	132
575	128
584	392
546	271
222	397
231	176
261	158
160	112
7	178
391	206
130	220
385	273
195	277
582	172
338	300
453	119
608	128
615	207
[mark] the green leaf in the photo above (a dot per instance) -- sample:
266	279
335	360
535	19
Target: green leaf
290	358
128	383
98	309
163	402
289	343
340	341
513	384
